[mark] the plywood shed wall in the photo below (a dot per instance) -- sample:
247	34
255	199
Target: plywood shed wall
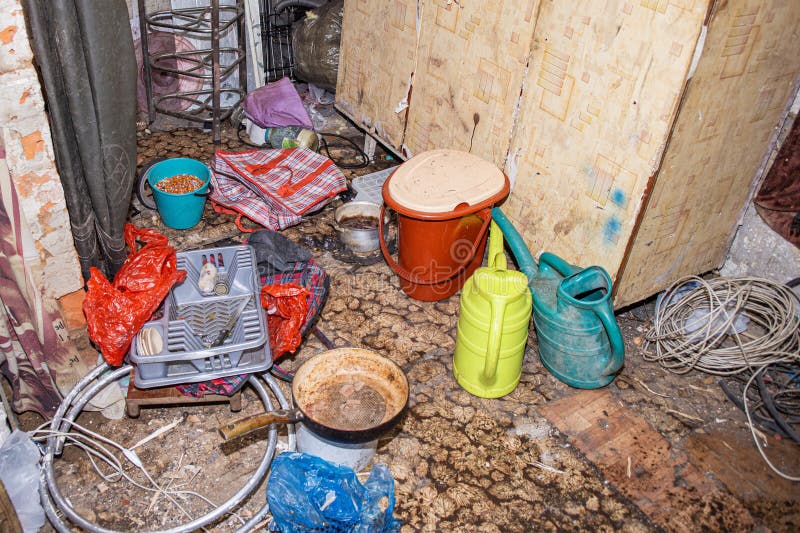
470	69
377	59
600	96
623	149
733	104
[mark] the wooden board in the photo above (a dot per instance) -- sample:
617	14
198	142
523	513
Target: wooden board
9	522
135	398
642	465
727	451
732	106
472	60
376	62
600	96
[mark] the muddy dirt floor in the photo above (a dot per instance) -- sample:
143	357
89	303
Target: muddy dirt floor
653	451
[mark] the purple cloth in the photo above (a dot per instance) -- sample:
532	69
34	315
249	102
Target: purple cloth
276	104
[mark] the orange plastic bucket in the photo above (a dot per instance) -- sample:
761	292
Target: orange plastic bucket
441	235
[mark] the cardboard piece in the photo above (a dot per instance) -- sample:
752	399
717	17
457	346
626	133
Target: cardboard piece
643	466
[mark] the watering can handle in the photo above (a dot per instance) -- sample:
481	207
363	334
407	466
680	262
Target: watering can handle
515	242
617	358
495	336
496	257
603	309
548	261
485	214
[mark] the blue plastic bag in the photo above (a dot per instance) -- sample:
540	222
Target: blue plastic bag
306	493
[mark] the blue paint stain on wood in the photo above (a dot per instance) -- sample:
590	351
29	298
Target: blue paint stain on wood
611	229
618	197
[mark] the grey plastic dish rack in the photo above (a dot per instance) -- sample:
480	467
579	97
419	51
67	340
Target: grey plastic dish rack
188	318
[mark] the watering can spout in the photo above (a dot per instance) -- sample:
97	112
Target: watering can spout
524	259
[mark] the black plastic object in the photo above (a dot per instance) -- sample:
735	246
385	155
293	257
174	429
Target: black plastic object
315	41
284	4
141	182
278	251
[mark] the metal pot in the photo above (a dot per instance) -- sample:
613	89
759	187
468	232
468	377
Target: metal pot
355	455
355	238
346	395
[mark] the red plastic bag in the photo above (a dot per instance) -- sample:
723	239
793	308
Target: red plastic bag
115	313
287	306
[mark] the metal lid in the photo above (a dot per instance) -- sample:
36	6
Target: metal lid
439	180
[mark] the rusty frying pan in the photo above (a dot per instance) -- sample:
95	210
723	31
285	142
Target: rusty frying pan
346	395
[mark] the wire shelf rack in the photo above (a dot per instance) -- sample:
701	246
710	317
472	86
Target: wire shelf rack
214	64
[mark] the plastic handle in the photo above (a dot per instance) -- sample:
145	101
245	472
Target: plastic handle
549	261
617	358
498	306
208	192
252	423
485	214
290	187
146	202
497	257
587	279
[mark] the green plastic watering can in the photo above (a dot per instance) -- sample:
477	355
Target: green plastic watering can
493	323
579	339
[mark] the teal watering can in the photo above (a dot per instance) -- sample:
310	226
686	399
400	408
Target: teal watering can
579	340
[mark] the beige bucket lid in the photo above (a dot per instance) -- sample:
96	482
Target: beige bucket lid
439	180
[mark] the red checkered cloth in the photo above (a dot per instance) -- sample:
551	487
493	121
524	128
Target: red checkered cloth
273	187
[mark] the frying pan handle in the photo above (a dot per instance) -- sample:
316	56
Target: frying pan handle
252	423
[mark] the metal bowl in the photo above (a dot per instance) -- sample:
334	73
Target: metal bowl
356	239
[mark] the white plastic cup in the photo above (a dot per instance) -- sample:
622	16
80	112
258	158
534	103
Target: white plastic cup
257	134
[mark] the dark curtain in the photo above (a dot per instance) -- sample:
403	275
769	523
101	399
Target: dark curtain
84	50
778	200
